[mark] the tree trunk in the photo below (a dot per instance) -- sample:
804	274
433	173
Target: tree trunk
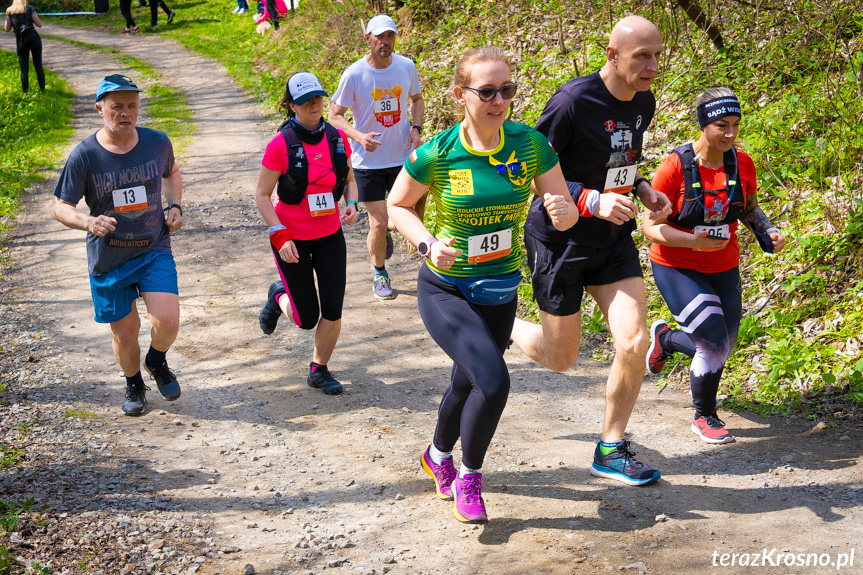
696	13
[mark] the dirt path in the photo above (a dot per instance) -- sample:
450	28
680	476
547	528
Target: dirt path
271	473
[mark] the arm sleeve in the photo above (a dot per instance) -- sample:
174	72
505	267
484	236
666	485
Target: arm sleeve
420	164
276	154
73	179
343	96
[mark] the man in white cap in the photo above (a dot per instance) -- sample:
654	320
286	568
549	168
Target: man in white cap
382	90
121	172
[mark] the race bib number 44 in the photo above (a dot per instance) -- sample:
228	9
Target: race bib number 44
620	180
487	247
130	199
322	204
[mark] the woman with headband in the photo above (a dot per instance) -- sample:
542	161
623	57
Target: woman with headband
695	254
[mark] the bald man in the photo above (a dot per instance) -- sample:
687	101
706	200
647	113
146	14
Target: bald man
596	124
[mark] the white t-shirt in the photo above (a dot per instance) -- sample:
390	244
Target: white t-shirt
380	102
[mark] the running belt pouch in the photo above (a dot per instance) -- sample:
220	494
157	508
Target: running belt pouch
488	291
28	34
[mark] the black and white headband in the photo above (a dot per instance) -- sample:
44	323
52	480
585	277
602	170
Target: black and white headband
717	108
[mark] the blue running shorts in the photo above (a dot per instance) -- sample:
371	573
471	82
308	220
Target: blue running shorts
114	292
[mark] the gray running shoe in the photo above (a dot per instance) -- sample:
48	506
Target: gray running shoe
381	287
320	378
136	399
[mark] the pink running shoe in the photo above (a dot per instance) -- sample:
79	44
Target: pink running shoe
443	474
711	429
468	506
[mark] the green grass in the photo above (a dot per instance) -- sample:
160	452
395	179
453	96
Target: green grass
10	512
33	130
81	413
9	456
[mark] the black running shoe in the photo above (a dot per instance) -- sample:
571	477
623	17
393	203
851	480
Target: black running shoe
320	378
269	316
136	399
170	17
166	381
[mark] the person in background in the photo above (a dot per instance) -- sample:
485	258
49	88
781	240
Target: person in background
126	11
695	253
22	18
380	88
154	13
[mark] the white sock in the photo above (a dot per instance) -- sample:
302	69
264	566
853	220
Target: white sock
464	469
437	456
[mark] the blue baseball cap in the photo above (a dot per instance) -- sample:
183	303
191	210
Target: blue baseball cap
115	83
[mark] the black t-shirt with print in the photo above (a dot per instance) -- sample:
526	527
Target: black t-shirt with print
591	131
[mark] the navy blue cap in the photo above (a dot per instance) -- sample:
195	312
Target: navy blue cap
115	83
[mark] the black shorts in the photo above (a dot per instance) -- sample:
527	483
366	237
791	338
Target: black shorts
561	271
373	185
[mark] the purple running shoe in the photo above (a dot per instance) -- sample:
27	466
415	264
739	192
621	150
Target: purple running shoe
468	506
443	474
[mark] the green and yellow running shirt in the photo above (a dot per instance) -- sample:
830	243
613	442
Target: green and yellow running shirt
480	196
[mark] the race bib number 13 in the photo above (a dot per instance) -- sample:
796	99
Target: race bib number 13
130	199
487	247
620	180
322	204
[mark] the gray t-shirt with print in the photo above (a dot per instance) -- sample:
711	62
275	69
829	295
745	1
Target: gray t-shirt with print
127	187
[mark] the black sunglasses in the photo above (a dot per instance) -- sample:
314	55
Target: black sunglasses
488	94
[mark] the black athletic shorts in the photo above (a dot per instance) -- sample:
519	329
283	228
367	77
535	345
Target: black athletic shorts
561	271
373	185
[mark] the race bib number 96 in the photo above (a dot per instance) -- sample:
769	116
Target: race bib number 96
487	247
130	199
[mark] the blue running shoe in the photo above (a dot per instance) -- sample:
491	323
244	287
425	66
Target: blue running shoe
621	465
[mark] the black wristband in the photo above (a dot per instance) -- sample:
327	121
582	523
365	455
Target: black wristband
175	206
638	181
418	129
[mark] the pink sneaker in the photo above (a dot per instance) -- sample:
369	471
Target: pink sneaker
443	474
711	429
467	492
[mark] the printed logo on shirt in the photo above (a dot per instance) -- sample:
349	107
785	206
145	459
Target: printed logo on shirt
387	105
610	125
622	152
512	169
461	182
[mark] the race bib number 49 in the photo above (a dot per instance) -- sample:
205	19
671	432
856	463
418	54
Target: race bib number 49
130	199
322	204
487	247
620	180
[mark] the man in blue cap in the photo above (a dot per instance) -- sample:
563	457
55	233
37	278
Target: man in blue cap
380	89
121	172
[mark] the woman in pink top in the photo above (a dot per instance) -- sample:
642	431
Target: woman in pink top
308	164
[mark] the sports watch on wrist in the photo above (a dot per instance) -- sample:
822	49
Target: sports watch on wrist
424	247
418	129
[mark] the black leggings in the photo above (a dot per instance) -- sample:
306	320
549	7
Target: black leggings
154	10
474	337
707	309
325	258
24	49
126	11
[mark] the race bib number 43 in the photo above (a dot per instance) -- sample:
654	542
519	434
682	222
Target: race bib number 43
322	204
620	180
130	199
487	247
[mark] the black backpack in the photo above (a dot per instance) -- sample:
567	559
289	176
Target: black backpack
293	183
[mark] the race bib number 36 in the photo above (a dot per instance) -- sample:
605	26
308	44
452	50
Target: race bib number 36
386	106
130	199
487	247
620	180
322	204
